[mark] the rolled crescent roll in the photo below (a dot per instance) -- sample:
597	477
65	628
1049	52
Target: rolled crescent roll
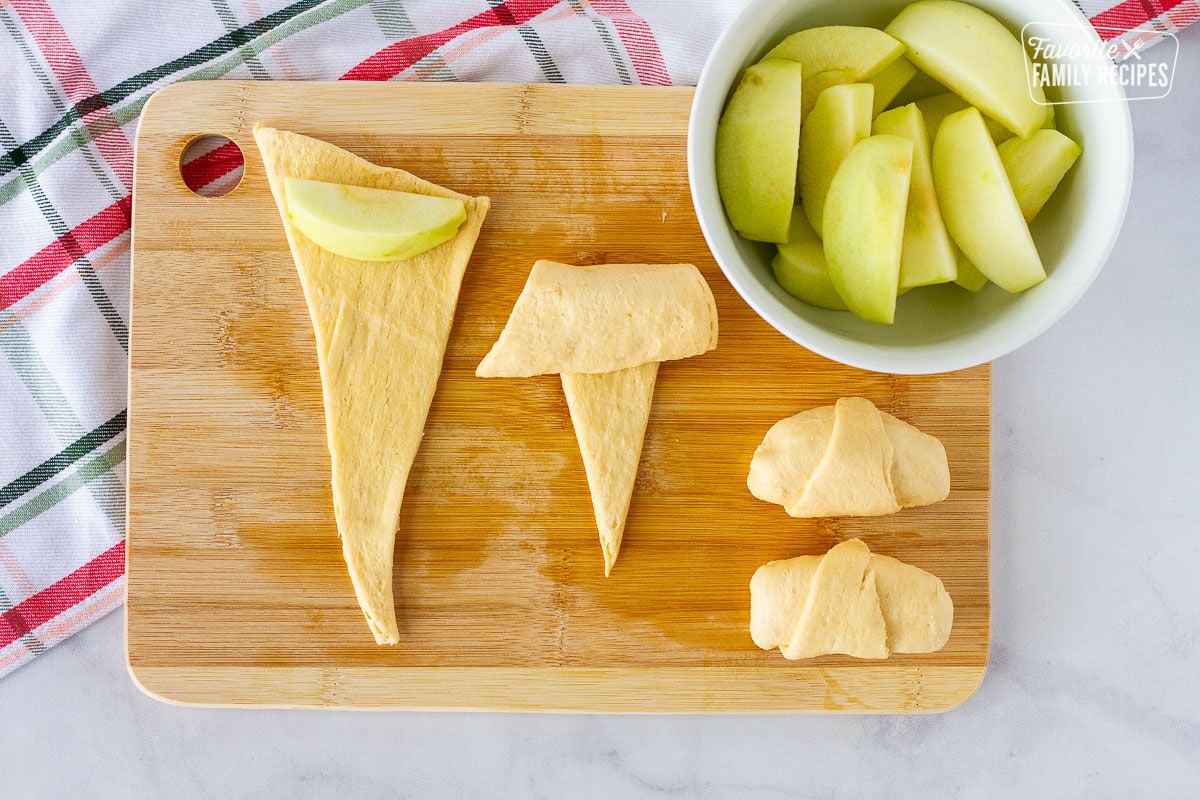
849	459
602	319
848	601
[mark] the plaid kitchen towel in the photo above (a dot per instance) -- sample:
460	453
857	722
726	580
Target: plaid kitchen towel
1137	24
74	75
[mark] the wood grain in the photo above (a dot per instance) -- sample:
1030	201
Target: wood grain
237	589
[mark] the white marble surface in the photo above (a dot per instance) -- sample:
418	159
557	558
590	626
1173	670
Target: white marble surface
1094	684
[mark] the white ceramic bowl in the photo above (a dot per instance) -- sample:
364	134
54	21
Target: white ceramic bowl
940	328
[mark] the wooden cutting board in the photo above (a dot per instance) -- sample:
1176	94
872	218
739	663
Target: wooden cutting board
237	589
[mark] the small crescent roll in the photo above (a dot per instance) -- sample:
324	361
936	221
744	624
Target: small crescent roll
848	601
603	319
849	459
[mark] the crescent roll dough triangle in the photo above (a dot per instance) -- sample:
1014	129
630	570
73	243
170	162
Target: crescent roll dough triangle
605	329
610	412
603	318
381	331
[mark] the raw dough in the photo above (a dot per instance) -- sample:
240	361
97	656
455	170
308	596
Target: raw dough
602	319
848	460
381	331
610	412
605	329
848	601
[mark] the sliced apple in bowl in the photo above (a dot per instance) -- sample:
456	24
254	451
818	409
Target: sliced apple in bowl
836	54
975	56
939	106
864	225
979	206
983	157
757	144
800	267
1035	166
890	81
928	255
371	224
840	120
968	275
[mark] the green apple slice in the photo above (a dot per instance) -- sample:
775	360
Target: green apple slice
864	225
890	81
844	53
976	57
978	204
371	224
861	50
817	84
1035	166
937	108
969	277
928	255
800	267
840	119
757	144
920	87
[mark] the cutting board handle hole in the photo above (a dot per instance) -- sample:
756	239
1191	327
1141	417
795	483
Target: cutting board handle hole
211	165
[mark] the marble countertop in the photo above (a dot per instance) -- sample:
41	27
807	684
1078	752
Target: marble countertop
1093	688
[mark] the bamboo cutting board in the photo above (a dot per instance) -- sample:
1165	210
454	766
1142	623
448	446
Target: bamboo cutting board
237	589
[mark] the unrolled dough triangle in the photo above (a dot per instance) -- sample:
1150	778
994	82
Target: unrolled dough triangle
609	411
381	331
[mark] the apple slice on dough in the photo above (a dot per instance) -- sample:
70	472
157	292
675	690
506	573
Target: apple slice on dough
800	266
978	204
976	57
927	256
757	144
840	119
1035	166
371	224
837	54
864	225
